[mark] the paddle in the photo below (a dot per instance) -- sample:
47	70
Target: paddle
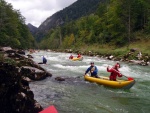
129	78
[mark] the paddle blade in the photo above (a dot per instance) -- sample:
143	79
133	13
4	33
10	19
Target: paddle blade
129	78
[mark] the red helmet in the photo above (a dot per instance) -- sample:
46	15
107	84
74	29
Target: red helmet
117	65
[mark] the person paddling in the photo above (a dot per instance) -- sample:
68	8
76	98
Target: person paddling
114	72
44	60
78	55
71	57
93	70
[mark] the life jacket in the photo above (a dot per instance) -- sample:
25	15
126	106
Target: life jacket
92	69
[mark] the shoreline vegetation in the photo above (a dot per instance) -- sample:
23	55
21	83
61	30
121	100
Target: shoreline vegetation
137	53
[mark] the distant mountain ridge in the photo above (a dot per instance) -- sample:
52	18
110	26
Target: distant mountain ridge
75	11
32	28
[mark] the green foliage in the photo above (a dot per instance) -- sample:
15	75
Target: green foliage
52	40
1	57
114	23
13	31
7	60
10	61
68	41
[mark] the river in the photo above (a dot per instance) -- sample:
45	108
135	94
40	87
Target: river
74	95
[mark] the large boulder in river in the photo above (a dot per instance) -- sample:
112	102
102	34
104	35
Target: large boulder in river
15	93
21	52
34	73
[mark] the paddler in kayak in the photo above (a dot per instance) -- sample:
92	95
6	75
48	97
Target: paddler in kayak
71	57
44	60
114	72
93	70
78	55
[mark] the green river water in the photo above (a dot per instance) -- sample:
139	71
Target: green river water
74	95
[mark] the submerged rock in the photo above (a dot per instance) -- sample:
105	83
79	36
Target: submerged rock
60	79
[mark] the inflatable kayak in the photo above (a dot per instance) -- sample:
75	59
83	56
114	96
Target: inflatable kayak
50	109
77	59
123	84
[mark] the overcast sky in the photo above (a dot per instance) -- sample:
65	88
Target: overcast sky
37	11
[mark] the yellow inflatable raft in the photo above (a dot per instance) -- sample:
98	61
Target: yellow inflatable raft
77	59
123	84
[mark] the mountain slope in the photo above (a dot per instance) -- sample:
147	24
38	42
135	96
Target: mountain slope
76	10
73	12
32	28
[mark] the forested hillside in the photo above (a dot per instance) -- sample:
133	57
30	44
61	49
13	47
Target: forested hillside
13	30
116	22
71	13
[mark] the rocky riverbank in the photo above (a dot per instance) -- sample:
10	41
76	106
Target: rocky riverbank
133	56
16	71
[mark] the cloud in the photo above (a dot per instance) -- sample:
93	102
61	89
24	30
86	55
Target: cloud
37	11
